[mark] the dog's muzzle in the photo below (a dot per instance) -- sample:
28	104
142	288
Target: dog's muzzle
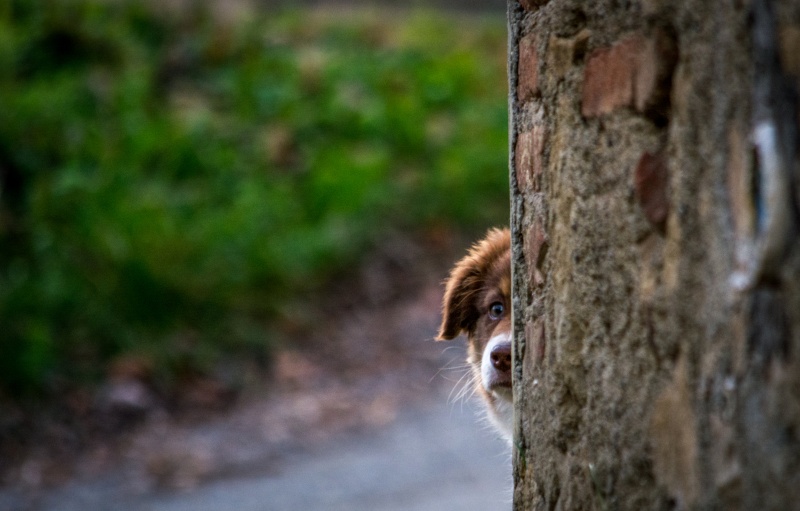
496	365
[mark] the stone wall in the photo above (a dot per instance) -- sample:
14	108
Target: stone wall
656	269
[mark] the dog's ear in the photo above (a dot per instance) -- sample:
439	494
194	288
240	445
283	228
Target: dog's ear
459	310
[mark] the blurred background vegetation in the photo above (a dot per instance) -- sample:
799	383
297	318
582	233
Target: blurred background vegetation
175	179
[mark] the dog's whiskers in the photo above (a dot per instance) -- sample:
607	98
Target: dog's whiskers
457	387
465	388
449	367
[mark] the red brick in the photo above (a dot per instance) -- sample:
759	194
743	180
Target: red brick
528	69
651	184
537	245
608	79
633	72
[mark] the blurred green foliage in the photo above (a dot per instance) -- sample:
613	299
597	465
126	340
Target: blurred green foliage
173	178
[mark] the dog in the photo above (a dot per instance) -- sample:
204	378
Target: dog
477	302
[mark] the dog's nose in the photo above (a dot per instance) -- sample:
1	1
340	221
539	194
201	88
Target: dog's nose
501	357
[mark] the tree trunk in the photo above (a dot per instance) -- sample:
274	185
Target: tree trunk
654	177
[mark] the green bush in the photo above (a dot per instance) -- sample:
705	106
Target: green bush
171	180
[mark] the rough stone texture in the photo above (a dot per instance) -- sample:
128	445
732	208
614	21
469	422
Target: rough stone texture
644	377
563	51
532	5
651	186
528	157
790	56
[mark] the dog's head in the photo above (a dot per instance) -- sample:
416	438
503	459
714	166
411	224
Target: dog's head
477	301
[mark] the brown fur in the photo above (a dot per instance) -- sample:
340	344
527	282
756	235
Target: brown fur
480	279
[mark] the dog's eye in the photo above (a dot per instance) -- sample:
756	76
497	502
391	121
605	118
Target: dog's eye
496	310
